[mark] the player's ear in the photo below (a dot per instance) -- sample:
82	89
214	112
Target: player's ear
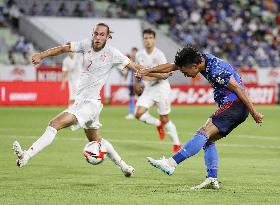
110	35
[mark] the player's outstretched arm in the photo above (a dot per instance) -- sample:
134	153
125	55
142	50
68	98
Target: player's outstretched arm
158	76
36	58
163	68
134	66
235	87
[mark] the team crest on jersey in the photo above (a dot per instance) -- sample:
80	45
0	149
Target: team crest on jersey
220	80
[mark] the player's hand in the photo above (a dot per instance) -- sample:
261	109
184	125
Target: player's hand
138	75
166	75
258	117
36	58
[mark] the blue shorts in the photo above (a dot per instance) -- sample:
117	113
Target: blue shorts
229	116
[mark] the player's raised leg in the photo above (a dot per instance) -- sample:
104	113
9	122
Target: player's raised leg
59	122
94	135
191	148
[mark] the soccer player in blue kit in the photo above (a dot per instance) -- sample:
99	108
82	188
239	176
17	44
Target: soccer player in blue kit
234	107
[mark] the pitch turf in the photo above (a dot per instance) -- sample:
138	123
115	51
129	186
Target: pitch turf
249	162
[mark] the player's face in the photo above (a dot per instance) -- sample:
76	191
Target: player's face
99	37
190	71
149	41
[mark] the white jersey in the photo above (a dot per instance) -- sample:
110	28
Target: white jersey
96	67
151	60
73	67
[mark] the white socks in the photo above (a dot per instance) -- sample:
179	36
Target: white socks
149	119
45	140
112	153
171	130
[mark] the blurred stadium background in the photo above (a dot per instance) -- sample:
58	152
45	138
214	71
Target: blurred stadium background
245	32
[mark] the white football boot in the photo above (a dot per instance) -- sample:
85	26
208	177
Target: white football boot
127	170
129	117
208	183
162	164
22	155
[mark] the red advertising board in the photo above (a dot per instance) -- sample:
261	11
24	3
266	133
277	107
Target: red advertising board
199	95
34	93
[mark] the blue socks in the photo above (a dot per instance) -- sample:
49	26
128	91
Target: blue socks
131	106
211	159
192	147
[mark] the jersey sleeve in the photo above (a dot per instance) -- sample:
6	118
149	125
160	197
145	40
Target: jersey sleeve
80	46
120	61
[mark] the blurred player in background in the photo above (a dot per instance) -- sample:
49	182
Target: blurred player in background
99	60
130	75
71	68
234	107
156	92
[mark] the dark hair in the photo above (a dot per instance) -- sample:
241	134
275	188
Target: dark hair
149	31
108	29
134	49
187	56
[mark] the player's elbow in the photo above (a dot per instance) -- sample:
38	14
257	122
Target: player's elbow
65	48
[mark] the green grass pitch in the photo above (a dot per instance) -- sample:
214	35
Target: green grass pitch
249	168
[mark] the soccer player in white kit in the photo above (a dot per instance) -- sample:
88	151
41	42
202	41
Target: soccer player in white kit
71	68
99	60
156	92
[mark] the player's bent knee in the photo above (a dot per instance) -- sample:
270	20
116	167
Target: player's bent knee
56	124
164	119
202	132
138	115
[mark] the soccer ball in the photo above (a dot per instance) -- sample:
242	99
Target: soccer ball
94	152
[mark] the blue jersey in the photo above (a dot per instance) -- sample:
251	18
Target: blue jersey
218	73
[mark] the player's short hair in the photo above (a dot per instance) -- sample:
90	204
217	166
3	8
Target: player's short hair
108	29
187	56
134	49
149	31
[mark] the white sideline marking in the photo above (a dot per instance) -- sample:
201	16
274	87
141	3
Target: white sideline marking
153	132
127	141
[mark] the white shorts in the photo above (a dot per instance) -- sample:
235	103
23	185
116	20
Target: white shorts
87	113
160	99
